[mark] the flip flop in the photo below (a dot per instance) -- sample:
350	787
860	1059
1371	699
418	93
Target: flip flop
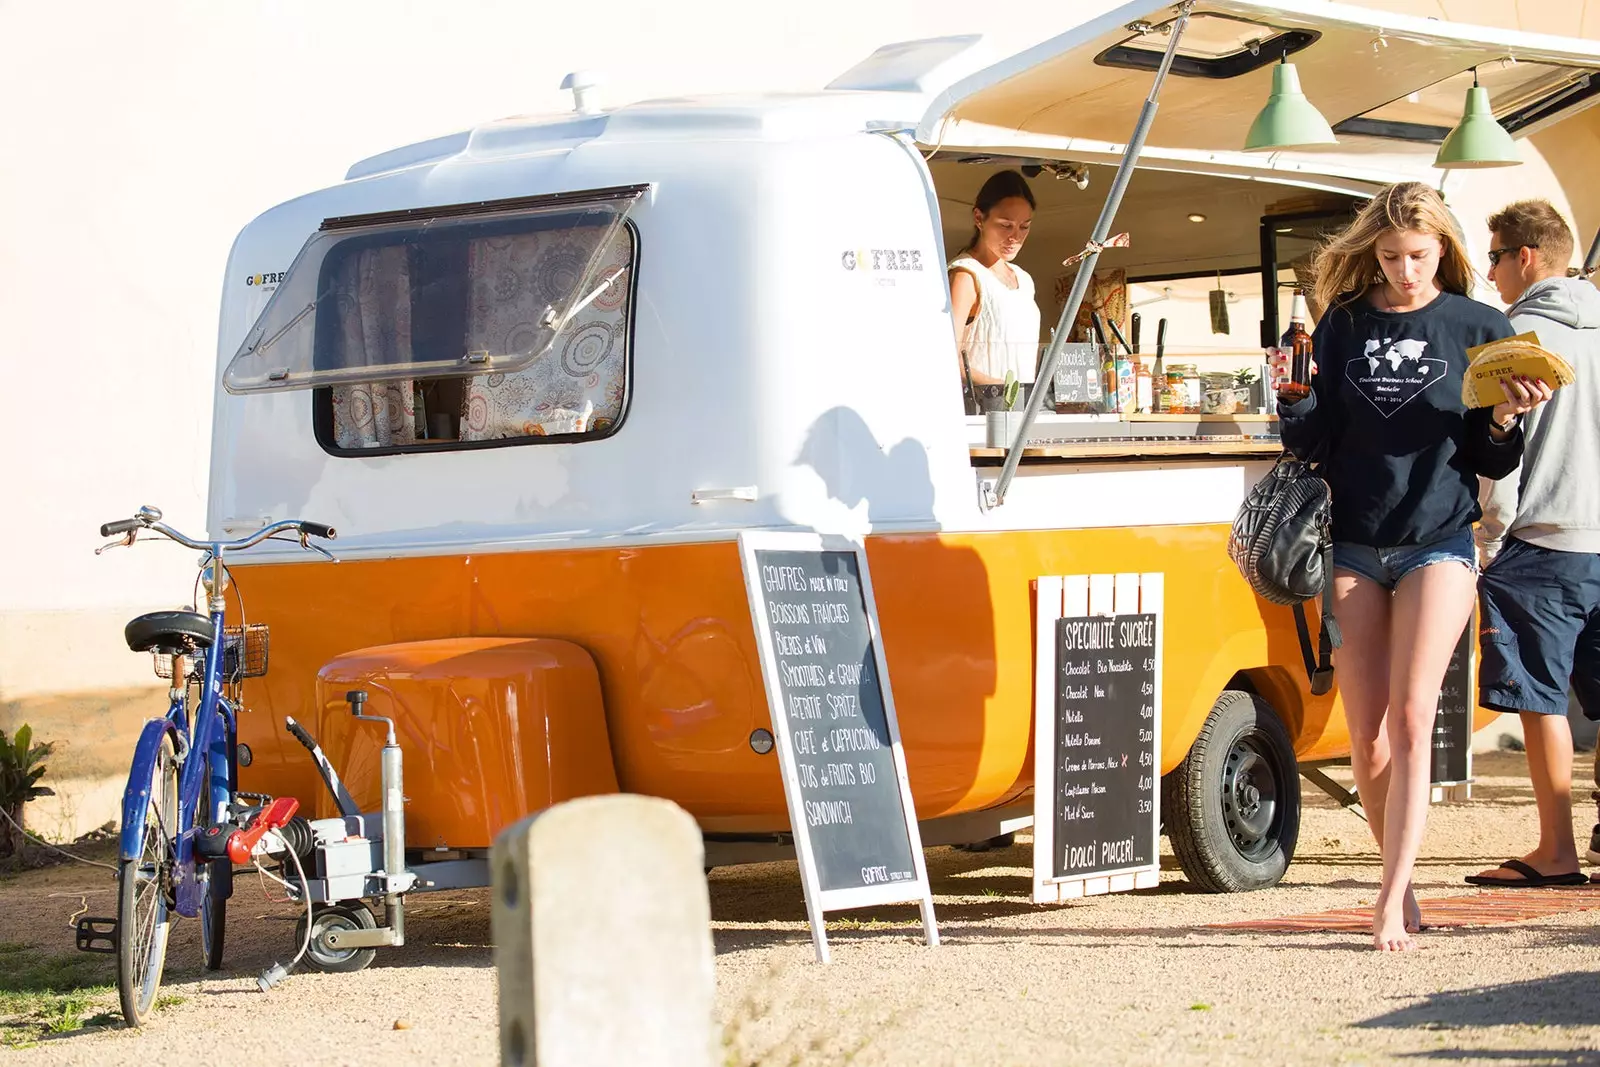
1531	878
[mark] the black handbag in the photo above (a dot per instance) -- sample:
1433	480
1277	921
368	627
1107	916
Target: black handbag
1283	545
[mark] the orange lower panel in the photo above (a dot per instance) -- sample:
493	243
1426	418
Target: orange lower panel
670	631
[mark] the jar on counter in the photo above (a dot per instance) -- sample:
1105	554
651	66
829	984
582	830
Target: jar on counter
1193	390
1172	392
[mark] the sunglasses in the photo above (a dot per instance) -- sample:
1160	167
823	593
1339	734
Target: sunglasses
1496	253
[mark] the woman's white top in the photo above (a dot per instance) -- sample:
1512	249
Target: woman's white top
1005	334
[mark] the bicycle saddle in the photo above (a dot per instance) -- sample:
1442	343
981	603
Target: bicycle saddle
169	632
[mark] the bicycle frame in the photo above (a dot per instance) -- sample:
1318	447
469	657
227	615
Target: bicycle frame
215	726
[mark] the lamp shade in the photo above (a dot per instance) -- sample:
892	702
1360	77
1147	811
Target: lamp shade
1288	120
1479	141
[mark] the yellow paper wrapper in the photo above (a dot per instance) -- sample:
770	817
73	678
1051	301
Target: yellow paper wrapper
1512	356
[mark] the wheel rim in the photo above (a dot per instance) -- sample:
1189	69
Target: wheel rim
325	923
152	878
1250	796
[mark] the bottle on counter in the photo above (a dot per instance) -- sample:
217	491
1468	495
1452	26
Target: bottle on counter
1296	345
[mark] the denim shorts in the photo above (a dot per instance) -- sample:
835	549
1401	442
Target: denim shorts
1387	566
1539	630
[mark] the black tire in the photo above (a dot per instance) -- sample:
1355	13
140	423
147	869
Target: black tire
340	917
1232	807
214	905
144	885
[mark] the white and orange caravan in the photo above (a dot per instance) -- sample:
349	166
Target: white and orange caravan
542	373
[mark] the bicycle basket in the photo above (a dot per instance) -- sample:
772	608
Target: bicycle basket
244	651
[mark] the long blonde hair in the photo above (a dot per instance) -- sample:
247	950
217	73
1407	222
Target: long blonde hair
1347	264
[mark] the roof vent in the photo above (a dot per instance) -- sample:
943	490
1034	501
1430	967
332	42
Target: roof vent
582	82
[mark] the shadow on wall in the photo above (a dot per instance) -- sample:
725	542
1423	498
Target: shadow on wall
845	454
936	613
94	734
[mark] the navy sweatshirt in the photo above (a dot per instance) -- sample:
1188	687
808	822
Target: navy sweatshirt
1403	454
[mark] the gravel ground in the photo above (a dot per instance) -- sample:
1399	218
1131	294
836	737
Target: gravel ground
1124	979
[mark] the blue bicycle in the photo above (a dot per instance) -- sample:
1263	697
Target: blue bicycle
182	807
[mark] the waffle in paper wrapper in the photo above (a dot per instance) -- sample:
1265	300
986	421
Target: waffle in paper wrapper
1519	355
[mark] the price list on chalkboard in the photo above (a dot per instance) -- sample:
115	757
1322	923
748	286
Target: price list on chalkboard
833	706
1106	765
1452	726
838	744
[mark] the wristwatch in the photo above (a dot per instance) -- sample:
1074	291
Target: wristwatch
1505	427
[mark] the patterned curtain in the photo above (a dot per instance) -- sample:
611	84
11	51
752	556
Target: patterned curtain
578	385
373	295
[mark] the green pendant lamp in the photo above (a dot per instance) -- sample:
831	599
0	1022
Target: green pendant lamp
1479	141
1288	120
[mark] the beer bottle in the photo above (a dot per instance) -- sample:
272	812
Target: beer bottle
1296	344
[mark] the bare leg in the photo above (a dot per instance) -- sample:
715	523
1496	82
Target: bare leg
1431	606
1362	608
1549	740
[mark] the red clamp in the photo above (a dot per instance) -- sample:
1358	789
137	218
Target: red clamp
241	843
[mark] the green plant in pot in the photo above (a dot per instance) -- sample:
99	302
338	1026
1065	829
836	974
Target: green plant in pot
1002	424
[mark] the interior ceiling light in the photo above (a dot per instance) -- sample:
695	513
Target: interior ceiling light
1196	217
1288	120
1479	141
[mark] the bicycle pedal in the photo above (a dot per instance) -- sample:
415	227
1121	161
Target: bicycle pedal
91	932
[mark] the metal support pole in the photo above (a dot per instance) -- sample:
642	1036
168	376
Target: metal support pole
1591	262
1080	285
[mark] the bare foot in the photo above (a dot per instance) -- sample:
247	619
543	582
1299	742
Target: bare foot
1413	913
1390	931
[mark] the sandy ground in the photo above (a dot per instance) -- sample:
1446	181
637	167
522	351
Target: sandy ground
1132	978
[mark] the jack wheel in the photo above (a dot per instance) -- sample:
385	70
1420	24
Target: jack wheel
336	917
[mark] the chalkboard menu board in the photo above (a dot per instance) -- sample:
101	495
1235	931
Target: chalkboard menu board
1097	734
1452	727
1105	766
833	718
1078	375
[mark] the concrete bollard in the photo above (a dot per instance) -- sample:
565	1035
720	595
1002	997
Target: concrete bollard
602	937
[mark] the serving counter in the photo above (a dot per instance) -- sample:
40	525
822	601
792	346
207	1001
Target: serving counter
1121	437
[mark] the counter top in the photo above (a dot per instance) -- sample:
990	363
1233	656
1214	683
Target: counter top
1126	448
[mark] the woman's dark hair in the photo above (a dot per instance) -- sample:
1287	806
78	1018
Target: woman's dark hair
1002	185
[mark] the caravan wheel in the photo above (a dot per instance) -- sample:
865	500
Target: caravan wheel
1232	807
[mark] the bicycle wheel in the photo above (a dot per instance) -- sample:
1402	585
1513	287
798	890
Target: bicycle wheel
214	904
145	883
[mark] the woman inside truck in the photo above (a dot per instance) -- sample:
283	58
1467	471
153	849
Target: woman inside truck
991	298
1401	454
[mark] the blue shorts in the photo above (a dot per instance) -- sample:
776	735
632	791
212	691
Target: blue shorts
1387	566
1539	630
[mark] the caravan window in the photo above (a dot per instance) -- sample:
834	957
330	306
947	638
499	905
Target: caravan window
412	295
458	326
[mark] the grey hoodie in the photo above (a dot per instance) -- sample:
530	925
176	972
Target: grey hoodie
1554	500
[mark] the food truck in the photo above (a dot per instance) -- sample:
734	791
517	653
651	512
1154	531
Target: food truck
542	373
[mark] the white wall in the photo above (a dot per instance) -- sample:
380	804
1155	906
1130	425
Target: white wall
142	137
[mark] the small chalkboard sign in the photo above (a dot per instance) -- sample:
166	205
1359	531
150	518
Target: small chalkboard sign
1097	735
1079	374
1452	726
843	769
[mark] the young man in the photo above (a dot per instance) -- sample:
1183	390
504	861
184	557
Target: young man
1539	628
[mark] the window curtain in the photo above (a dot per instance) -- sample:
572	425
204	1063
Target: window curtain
578	385
373	295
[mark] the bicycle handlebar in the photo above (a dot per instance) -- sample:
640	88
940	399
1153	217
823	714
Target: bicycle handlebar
150	519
